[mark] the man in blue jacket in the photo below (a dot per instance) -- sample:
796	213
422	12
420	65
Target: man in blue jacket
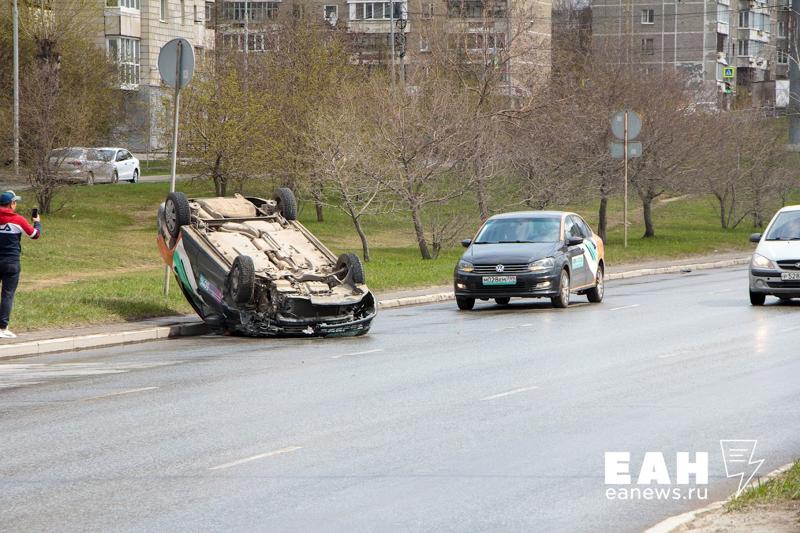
12	226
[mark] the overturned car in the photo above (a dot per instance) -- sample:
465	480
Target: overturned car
247	266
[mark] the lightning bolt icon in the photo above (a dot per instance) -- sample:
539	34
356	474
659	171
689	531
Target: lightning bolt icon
738	457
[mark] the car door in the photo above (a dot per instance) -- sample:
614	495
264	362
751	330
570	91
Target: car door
130	164
591	253
577	253
120	166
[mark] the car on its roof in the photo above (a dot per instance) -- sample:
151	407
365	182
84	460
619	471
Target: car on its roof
247	266
775	265
531	254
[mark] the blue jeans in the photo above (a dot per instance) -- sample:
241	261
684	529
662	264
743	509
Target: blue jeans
9	278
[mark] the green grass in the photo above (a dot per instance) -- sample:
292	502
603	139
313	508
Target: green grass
785	487
159	167
97	260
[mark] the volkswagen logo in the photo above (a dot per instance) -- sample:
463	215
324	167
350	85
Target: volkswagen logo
499	268
797	266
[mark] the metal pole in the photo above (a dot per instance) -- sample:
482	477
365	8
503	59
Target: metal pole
625	156
246	32
178	80
794	76
15	16
391	37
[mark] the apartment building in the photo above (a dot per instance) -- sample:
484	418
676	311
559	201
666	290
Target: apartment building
133	32
701	37
475	25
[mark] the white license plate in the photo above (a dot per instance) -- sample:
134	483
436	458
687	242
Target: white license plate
500	280
790	276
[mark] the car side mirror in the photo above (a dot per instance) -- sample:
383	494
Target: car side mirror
572	240
466	242
755	237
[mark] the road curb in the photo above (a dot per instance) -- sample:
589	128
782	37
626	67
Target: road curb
82	342
671	524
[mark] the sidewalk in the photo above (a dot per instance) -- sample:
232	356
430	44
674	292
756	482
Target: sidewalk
57	340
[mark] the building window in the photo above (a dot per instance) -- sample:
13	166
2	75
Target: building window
723	13
424	45
648	48
744	48
124	51
781	28
331	14
783	57
196	14
648	16
427	11
252	10
163	11
377	10
183	11
130	4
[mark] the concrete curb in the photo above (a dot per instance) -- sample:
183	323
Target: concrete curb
81	342
671	524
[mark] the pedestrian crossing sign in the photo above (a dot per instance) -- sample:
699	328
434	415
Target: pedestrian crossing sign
728	73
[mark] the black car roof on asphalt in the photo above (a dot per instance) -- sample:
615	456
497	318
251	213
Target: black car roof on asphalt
530	214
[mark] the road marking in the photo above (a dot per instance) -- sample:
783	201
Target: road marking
357	353
120	393
624	307
256	457
509	393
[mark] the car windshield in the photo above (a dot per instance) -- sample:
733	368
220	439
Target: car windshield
786	227
515	230
107	155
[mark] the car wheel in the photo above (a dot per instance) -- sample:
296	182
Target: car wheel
135	178
177	213
242	280
287	203
562	300
349	269
595	294
502	301
115	177
757	298
464	303
90	178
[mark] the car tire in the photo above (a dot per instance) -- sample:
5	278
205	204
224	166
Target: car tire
502	301
287	203
595	294
562	300
464	303
350	265
135	178
90	178
177	213
242	280
115	177
757	298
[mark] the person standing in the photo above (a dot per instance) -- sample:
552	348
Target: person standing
12	227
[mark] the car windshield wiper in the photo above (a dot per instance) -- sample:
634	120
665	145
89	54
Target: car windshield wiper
517	242
483	242
783	239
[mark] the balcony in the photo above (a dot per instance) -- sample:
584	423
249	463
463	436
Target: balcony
122	21
722	27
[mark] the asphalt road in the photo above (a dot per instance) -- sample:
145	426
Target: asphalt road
439	420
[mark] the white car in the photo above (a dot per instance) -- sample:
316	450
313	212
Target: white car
121	166
775	267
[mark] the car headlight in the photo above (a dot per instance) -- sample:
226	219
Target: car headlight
542	265
465	266
759	261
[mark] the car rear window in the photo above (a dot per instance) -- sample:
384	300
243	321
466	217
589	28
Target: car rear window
786	227
515	230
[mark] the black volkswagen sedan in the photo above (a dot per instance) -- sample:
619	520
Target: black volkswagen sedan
531	254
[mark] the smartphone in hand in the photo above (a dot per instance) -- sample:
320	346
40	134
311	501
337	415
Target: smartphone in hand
35	212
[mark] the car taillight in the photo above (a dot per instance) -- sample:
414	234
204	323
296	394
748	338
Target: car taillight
76	163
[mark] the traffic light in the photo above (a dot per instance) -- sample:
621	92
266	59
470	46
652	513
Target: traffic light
727	89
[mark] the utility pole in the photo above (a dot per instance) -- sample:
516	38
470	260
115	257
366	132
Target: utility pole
794	77
246	33
15	16
391	37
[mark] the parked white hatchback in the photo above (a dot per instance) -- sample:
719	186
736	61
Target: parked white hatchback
122	166
775	267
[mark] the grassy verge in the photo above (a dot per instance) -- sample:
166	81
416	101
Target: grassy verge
159	167
97	261
783	488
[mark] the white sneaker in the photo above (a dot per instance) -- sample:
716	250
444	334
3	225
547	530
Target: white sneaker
6	334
